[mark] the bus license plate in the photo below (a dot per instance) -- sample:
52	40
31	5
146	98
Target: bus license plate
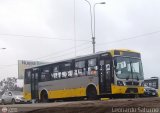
131	91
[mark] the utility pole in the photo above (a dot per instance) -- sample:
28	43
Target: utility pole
93	33
93	42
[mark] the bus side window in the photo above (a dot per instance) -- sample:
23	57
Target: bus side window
80	67
75	73
55	75
66	70
59	75
45	75
64	74
92	67
70	73
69	69
80	72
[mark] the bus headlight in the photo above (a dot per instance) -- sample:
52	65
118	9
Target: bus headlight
120	83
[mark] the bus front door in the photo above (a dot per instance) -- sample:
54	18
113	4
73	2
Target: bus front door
34	86
105	76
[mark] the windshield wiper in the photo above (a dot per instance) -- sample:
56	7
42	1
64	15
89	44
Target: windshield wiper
137	78
133	70
127	77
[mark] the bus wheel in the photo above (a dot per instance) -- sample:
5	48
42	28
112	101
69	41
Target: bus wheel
13	101
3	103
91	93
44	97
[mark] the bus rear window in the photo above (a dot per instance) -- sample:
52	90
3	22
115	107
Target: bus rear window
27	78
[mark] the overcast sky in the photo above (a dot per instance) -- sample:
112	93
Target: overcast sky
43	30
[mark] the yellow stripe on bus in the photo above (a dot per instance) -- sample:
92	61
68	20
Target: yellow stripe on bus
75	92
54	94
67	93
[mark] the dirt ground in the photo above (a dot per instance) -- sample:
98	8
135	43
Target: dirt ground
139	105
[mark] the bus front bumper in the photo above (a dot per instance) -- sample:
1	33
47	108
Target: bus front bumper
127	89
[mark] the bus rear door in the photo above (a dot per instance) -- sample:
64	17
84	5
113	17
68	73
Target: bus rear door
34	85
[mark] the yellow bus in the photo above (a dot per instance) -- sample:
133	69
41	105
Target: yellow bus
103	74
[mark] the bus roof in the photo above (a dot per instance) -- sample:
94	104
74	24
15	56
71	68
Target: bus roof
125	50
77	57
93	54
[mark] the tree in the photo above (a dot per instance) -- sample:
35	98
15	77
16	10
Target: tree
9	84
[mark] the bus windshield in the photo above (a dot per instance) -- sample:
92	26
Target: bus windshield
128	68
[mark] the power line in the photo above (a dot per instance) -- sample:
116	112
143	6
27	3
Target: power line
48	56
134	37
8	65
11	65
138	36
40	37
68	49
68	53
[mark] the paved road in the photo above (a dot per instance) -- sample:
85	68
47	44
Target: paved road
72	106
29	107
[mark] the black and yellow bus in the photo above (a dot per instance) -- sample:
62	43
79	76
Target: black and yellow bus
109	73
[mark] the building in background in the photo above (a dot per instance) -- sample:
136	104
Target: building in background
23	64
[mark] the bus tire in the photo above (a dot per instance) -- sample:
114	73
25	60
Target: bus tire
3	102
44	96
91	93
13	101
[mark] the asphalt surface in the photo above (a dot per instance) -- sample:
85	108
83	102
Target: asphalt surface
98	106
30	107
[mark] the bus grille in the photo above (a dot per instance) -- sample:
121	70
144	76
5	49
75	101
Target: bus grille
132	83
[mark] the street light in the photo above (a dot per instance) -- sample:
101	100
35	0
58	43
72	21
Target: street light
3	48
93	34
93	38
95	16
90	16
